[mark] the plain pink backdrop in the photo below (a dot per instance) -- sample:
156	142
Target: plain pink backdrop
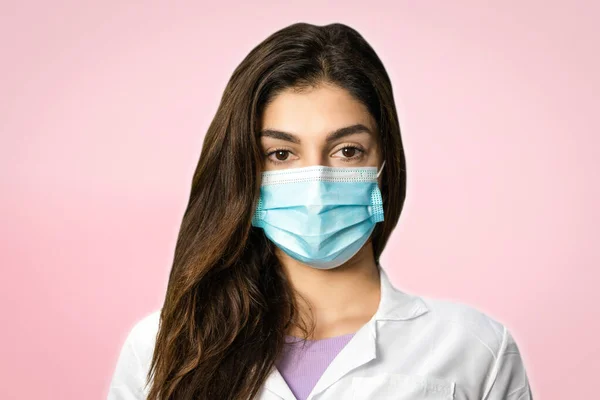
103	108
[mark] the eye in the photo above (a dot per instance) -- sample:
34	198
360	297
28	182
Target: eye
278	156
281	155
350	153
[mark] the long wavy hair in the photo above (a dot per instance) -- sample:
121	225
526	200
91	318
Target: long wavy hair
228	305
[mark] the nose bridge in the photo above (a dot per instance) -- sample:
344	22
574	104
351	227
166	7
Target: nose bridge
314	155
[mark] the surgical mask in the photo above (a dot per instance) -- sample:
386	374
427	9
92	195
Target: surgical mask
319	215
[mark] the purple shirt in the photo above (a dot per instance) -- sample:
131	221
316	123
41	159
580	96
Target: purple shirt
302	366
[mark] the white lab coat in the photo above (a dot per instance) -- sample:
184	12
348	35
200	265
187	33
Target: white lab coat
413	348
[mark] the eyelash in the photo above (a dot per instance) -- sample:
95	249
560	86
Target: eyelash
344	159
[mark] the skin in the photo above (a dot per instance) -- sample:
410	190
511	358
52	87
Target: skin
346	297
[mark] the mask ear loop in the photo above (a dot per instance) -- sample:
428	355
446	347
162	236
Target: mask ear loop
381	169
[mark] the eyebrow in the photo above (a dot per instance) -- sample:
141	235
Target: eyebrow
335	135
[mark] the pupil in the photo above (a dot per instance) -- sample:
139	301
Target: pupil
281	153
348	151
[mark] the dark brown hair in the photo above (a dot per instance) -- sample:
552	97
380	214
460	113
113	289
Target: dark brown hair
228	304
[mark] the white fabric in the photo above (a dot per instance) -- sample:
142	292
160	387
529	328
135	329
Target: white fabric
413	348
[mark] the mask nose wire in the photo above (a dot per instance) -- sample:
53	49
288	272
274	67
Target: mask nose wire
381	169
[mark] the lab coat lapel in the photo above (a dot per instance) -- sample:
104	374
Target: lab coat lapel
359	350
362	348
276	384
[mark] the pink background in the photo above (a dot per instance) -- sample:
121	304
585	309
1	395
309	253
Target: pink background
103	108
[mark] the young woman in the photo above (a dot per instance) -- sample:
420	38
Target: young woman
276	290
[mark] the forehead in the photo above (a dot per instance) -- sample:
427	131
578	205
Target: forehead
315	110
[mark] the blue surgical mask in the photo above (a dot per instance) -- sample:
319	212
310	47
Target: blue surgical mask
319	215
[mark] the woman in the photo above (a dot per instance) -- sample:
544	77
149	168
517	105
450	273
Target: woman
276	291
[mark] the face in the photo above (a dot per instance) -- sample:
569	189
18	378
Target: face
321	126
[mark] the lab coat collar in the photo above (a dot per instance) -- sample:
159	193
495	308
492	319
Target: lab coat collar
394	305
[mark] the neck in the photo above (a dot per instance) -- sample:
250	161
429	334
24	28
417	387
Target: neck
340	299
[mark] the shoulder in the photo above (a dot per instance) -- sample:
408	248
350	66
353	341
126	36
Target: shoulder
471	323
475	333
142	336
130	373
